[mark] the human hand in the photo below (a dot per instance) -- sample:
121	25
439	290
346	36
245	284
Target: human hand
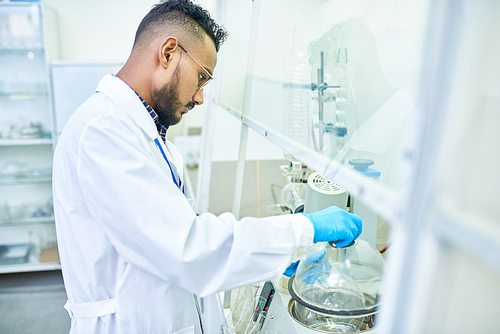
291	269
312	258
335	224
316	267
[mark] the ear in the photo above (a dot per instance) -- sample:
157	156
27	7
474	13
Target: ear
168	46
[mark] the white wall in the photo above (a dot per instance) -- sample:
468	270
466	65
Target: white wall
98	31
104	31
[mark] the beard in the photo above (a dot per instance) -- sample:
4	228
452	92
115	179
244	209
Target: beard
167	101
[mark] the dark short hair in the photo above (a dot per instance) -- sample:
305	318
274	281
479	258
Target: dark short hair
183	13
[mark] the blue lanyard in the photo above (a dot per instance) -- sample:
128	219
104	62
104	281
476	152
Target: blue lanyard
171	171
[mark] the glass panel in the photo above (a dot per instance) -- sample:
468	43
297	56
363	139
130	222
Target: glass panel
263	184
23	72
20	27
25	116
338	77
465	295
231	68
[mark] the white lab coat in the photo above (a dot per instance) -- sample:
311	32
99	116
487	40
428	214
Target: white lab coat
132	249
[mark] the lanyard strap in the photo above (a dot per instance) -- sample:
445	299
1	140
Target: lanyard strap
165	157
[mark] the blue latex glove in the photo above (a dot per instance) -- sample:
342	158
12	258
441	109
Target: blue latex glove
335	224
291	269
317	267
310	259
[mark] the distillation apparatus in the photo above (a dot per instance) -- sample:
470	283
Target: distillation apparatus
297	91
334	91
334	88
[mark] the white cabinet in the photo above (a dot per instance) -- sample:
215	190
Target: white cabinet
26	139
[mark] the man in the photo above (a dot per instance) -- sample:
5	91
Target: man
133	252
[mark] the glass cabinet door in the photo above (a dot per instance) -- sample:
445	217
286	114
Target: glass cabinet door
27	232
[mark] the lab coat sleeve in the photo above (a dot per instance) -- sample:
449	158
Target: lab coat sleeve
152	226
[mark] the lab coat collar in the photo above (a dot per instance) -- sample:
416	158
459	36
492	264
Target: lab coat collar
126	99
124	96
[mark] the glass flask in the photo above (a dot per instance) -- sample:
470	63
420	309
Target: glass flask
336	290
294	193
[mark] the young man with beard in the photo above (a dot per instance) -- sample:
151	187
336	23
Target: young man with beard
133	252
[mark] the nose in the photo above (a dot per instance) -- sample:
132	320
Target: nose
198	97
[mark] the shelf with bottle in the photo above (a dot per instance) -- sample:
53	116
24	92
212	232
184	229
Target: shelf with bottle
19	132
18	135
29	221
37	252
13	172
13	88
22	90
24	257
31	246
18	142
21	49
23	72
24	95
38	213
22	180
30	266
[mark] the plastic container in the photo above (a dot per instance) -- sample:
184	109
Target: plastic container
14	254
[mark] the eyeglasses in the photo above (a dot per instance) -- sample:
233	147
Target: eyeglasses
202	80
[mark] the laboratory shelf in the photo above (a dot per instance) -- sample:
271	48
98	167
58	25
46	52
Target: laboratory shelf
21	181
24	95
21	49
30	266
26	142
30	221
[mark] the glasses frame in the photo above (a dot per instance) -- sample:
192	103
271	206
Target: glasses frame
204	69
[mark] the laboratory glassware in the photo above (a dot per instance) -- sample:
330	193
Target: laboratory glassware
297	91
294	193
337	290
